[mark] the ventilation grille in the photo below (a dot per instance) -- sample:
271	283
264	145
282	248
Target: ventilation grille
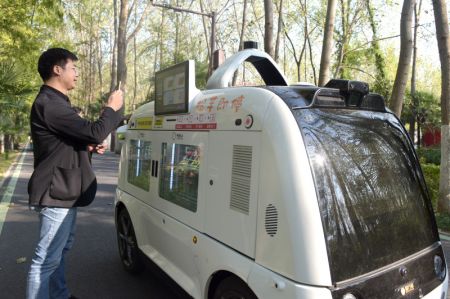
271	220
241	173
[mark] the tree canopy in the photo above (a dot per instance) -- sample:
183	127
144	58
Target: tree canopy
156	37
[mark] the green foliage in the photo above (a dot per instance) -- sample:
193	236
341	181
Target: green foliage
201	74
431	174
382	86
443	222
15	93
430	155
428	105
25	27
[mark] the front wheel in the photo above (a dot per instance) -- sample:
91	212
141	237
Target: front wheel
130	255
233	288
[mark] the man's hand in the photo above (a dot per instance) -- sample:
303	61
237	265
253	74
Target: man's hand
115	100
99	148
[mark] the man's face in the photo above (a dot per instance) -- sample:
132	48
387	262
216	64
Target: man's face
68	74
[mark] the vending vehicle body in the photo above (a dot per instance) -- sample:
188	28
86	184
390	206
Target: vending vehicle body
119	138
276	191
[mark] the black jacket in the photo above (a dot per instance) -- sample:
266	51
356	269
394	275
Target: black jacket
62	175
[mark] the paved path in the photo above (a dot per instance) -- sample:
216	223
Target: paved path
93	266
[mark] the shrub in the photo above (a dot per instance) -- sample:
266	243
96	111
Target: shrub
431	174
430	155
443	222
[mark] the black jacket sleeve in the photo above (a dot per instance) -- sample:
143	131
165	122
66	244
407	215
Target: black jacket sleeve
65	122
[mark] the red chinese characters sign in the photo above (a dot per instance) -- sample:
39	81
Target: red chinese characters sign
215	103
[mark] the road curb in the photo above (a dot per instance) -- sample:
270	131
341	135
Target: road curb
444	235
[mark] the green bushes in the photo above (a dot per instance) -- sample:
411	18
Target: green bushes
443	222
430	155
431	174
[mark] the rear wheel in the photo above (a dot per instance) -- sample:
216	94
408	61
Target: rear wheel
233	288
130	255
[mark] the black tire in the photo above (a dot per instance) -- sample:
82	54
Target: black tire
233	288
130	255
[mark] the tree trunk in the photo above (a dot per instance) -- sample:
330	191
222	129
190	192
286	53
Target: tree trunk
241	36
161	40
313	67
177	37
443	40
345	24
206	32
381	83
113	84
2	143
298	61
8	142
122	45
133	103
324	72
414	106
123	41
244	23
135	60
279	30
268	27
100	64
401	78
91	74
307	42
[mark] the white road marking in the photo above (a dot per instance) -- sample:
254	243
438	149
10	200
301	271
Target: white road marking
5	201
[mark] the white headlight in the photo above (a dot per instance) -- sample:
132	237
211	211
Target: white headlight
439	267
349	296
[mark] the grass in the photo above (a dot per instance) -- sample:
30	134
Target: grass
5	161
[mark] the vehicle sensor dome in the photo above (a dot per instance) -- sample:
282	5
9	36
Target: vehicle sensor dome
250	45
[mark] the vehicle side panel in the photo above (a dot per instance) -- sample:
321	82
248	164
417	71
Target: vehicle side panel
232	197
298	249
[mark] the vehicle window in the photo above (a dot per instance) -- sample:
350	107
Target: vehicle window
372	198
179	174
139	164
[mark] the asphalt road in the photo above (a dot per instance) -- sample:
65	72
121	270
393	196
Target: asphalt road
93	270
93	266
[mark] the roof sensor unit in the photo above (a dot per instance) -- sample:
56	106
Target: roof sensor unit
352	91
250	45
373	101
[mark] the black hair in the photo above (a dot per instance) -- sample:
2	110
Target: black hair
52	57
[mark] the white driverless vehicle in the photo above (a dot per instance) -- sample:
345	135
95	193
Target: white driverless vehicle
120	138
276	191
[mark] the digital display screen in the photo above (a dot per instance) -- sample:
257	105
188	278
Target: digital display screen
172	90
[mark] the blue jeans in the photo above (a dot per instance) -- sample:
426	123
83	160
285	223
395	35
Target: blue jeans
46	277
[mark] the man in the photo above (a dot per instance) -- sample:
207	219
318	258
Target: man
63	178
